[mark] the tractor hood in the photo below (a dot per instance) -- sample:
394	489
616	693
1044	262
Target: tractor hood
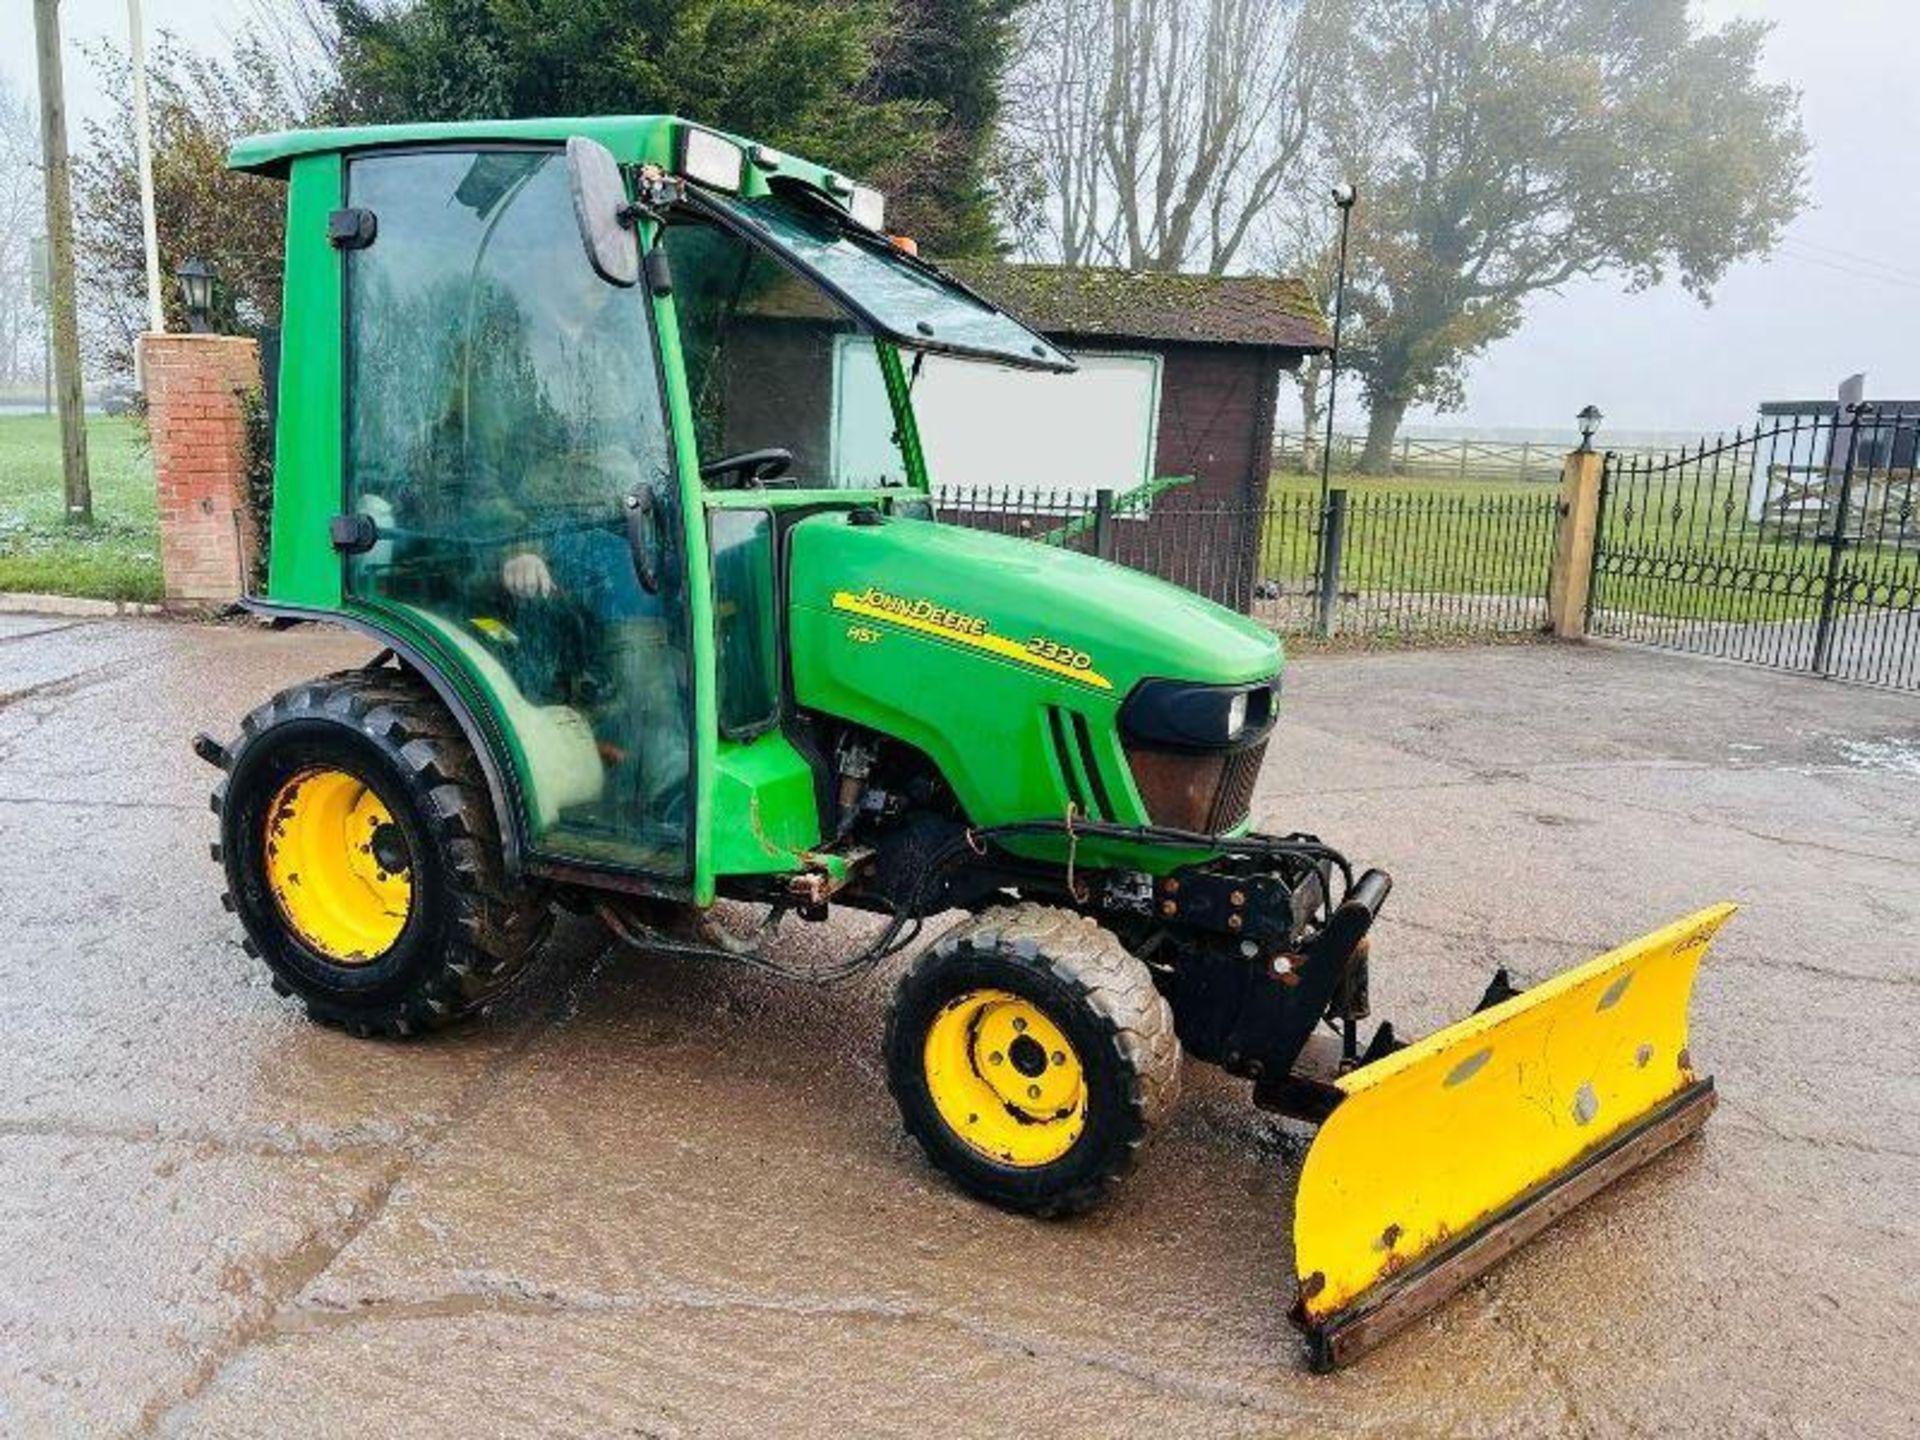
1005	662
1085	622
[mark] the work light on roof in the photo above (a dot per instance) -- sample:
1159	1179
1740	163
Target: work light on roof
868	207
710	159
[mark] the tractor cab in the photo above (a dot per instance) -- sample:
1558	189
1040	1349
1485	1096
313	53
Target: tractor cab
586	373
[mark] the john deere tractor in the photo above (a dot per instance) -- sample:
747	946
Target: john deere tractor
603	431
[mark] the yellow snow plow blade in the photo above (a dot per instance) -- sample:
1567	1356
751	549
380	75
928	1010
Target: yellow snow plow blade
1443	1157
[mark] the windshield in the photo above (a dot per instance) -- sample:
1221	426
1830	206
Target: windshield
773	364
909	302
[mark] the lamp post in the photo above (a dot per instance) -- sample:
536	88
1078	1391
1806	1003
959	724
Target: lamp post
1589	419
1343	196
196	279
143	162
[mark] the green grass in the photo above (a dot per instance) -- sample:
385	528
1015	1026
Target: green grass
1293	482
115	558
1414	536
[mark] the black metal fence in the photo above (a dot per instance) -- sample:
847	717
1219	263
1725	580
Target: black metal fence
1381	564
1796	546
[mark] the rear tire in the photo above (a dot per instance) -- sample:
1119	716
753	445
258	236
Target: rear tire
1031	1056
363	858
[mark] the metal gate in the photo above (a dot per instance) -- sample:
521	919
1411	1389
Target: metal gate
1796	546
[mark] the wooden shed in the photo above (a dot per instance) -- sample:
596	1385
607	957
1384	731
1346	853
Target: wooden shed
1223	343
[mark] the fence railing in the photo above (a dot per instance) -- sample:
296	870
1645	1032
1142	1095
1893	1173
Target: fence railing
1519	461
1378	565
1796	545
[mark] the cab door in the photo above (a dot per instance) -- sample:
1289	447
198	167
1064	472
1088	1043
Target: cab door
506	434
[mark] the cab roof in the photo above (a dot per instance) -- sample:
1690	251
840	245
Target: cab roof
633	139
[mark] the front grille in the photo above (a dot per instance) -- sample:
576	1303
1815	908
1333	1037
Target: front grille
1209	792
1234	801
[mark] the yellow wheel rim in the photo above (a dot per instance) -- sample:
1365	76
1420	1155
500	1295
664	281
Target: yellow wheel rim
338	866
1005	1079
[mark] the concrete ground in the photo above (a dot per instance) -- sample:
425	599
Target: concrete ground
650	1198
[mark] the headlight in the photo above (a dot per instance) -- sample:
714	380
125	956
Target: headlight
1236	716
710	159
1181	715
1194	750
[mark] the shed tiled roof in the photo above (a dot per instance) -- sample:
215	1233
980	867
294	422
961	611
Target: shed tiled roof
1152	304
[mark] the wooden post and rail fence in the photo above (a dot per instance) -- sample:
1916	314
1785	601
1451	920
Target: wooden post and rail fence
1520	462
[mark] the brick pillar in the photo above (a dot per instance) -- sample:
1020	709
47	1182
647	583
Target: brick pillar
200	461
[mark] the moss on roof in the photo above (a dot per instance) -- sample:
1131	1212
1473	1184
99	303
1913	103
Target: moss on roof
1152	304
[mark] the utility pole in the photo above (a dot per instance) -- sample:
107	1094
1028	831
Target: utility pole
66	319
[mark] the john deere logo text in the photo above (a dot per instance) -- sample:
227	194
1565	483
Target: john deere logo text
925	611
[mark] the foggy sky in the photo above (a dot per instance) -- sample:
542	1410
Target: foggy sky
1842	294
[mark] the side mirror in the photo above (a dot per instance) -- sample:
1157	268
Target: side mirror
599	198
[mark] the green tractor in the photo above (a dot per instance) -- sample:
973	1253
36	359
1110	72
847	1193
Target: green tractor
603	430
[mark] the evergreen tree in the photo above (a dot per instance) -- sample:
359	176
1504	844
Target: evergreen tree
899	95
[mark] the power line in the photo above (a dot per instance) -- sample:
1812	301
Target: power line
1843	269
1858	259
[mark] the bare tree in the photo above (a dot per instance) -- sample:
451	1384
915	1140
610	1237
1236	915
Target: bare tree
1303	239
1160	133
1302	242
303	39
22	203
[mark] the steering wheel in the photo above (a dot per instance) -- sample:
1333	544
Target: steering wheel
754	468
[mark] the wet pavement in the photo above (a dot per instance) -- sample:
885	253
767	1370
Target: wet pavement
655	1198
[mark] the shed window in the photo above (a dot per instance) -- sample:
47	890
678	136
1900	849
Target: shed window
986	427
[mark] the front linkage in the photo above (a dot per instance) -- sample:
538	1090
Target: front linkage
1253	948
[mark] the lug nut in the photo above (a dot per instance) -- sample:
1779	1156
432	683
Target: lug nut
1239	897
1018	1023
1167	907
1059	1057
1033	1092
1234	922
997	1058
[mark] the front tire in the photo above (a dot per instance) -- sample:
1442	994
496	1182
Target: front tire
1031	1056
363	860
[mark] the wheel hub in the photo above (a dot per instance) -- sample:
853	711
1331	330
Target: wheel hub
1005	1079
338	866
389	849
1027	1055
